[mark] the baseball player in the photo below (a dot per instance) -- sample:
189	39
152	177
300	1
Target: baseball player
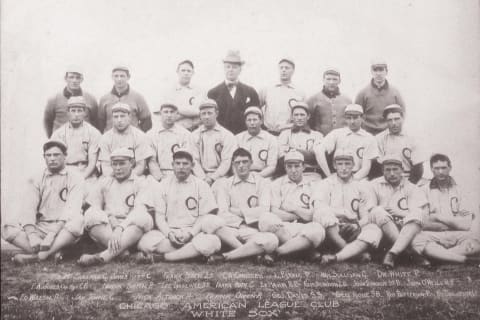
121	92
291	211
394	140
124	135
165	138
450	232
51	218
342	205
327	105
80	137
117	216
399	207
353	138
277	100
213	143
56	109
262	146
303	139
183	216
242	199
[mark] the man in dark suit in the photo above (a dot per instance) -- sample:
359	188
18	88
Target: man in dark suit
232	96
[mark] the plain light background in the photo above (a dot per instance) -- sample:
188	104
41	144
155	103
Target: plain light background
432	49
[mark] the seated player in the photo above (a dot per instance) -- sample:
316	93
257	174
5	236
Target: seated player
450	232
123	134
242	199
398	211
262	146
213	144
343	204
165	138
393	140
291	212
353	138
51	218
301	138
183	216
117	217
81	139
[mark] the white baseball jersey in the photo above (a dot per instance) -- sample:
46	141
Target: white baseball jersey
263	148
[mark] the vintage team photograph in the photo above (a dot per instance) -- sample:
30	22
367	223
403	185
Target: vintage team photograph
240	159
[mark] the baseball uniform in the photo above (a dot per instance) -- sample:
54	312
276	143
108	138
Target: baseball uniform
186	98
263	148
327	111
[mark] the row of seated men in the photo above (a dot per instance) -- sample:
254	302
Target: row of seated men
182	217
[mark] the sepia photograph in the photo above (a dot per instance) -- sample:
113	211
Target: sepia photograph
225	159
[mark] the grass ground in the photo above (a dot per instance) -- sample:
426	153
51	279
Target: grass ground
290	290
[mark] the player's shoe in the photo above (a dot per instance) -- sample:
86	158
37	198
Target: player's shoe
328	259
87	260
23	259
365	257
148	258
267	259
314	256
216	259
389	260
58	257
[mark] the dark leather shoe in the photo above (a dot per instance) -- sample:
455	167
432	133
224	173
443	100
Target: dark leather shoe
389	260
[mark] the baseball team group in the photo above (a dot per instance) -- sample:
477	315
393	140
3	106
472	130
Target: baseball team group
233	174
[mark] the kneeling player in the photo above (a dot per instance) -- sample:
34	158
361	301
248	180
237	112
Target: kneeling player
183	207
242	199
118	216
291	217
342	204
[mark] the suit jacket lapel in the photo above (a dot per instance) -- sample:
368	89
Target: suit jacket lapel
228	96
238	94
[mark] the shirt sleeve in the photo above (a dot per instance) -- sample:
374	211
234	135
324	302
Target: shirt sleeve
76	191
104	148
143	148
94	145
371	149
143	110
95	195
283	145
223	197
360	99
229	145
276	194
330	141
93	113
207	201
273	153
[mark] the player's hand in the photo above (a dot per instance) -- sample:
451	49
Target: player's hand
351	231
187	237
35	242
114	242
176	243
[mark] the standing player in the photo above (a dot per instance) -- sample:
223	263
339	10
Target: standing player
343	206
51	218
302	139
165	138
117	217
328	105
56	110
80	137
399	208
353	138
124	135
262	146
450	232
232	96
242	199
393	140
277	100
121	92
213	143
291	213
183	215
378	94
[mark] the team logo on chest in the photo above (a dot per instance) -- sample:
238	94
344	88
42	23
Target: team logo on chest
263	155
174	147
359	152
252	201
191	203
305	199
309	144
407	153
402	204
63	194
355	205
191	100
292	101
219	148
130	200
454	205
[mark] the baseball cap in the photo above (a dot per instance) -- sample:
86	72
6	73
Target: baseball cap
294	155
378	62
122	152
294	104
186	61
288	60
121	68
392	108
392	159
343	154
76	101
55	143
353	108
165	105
333	71
253	109
233	56
120	106
74	69
208	103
